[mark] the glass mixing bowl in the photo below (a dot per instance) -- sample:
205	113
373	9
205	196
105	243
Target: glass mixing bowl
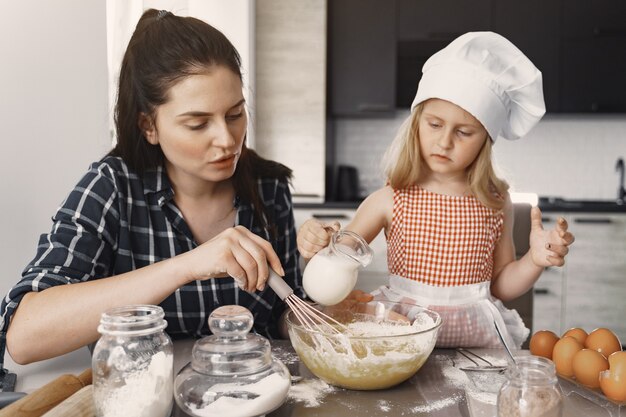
386	343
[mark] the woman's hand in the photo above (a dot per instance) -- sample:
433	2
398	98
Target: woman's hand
548	247
236	252
314	236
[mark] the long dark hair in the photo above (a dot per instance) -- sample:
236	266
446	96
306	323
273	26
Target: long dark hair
163	50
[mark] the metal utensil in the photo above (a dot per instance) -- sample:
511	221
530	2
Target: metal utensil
486	378
506	347
478	367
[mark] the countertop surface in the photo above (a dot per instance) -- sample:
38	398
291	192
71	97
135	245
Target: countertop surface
546	204
440	388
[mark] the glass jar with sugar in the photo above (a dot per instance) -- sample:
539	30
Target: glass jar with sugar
232	372
133	363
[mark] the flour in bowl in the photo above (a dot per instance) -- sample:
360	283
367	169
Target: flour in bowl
370	355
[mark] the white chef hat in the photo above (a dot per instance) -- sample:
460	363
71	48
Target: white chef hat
487	76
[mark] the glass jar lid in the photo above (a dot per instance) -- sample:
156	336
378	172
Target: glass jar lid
231	350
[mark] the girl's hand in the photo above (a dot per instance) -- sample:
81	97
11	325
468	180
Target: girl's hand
314	236
236	252
548	247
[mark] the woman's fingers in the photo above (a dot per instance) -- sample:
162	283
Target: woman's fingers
270	256
248	264
263	254
242	255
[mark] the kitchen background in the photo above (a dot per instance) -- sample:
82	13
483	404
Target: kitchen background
309	66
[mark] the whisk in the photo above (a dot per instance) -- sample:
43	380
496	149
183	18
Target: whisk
310	317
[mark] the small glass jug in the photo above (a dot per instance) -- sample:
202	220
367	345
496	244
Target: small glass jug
232	373
133	363
331	274
530	390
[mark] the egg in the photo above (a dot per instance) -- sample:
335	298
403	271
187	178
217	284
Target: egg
577	333
587	365
604	341
542	343
613	381
563	355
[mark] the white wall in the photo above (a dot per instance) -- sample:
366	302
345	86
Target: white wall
567	155
53	115
234	18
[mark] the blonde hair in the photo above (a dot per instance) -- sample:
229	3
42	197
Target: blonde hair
402	164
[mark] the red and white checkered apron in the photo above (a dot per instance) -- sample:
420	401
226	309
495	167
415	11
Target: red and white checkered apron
442	240
440	255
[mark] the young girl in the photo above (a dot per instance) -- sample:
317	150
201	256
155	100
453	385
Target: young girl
177	209
448	219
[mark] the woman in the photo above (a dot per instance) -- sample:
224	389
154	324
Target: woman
178	203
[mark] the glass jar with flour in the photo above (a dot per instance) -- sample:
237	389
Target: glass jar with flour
232	373
133	363
331	274
530	390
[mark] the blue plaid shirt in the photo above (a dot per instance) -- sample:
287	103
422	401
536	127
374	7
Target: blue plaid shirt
115	221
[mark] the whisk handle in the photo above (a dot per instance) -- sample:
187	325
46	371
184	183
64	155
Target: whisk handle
280	287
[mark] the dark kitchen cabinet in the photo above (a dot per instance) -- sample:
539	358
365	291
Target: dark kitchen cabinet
441	19
377	48
423	28
593	56
362	56
533	26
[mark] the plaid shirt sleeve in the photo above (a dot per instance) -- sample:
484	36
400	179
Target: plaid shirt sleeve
93	236
79	246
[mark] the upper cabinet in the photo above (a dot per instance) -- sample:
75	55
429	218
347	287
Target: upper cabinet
438	19
362	52
593	48
378	47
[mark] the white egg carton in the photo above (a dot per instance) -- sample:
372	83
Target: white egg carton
571	386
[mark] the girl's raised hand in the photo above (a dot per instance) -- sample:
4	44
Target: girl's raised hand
548	247
236	252
314	236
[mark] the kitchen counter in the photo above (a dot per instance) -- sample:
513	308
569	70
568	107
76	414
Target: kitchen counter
437	390
546	204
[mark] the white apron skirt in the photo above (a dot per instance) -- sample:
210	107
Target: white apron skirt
468	312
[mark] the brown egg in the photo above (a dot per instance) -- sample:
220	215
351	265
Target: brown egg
577	333
542	343
587	365
563	355
613	381
604	341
